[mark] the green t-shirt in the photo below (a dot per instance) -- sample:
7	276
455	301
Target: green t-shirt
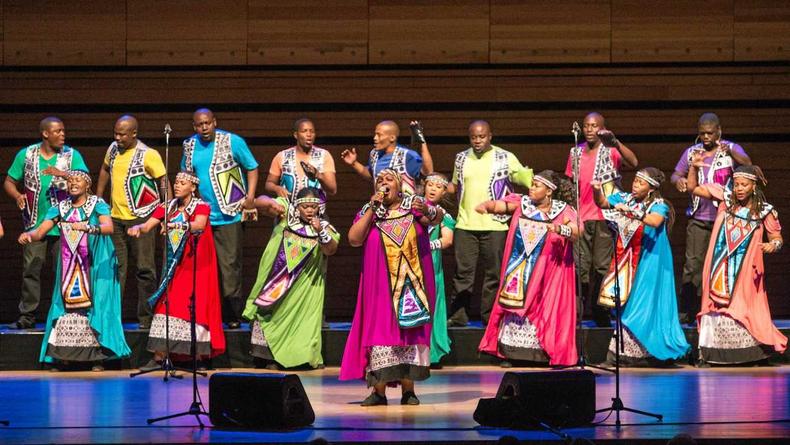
477	178
17	173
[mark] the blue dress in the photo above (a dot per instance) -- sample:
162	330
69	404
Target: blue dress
651	312
104	313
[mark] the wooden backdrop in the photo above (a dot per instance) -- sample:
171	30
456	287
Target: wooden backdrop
531	68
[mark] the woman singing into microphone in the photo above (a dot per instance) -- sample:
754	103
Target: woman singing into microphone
390	336
287	299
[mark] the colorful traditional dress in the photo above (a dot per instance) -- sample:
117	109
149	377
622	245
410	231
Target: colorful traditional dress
440	341
534	316
391	330
651	329
406	162
177	284
84	321
735	323
287	300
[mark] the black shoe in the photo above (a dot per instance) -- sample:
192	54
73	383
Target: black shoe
436	366
234	325
97	367
24	323
152	365
505	364
273	367
374	399
409	398
453	323
144	325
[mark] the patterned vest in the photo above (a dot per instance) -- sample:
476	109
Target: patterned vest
397	163
720	172
225	173
32	180
291	181
142	195
499	184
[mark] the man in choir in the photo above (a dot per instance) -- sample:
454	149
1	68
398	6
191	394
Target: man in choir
228	174
721	157
482	172
599	158
41	168
138	183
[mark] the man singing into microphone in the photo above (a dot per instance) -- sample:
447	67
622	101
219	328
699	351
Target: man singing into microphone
138	183
600	158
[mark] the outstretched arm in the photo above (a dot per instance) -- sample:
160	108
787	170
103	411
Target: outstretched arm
269	206
496	207
349	156
138	229
691	179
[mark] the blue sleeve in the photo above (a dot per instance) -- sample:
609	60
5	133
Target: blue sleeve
52	213
183	163
616	198
660	208
241	153
413	164
102	208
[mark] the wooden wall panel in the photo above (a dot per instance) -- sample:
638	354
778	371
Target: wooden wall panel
672	31
2	34
545	32
90	32
762	30
416	32
305	32
187	32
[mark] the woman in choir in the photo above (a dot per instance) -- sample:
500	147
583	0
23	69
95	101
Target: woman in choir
286	303
735	323
84	321
652	334
534	315
389	342
441	236
191	265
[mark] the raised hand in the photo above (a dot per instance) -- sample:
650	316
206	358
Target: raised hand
417	133
419	205
315	223
349	155
54	171
698	160
596	185
309	170
607	137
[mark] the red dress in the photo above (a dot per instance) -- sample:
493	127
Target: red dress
179	282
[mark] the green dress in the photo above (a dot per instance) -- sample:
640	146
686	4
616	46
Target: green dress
440	341
286	303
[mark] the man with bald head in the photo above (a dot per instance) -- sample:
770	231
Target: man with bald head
387	153
228	174
599	159
138	183
482	172
41	168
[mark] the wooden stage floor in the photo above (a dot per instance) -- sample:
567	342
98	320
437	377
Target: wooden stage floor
720	405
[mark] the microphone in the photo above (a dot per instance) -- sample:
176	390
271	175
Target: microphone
167	132
383	190
576	129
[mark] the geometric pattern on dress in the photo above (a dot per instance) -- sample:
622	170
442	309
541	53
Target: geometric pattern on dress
139	188
179	329
73	330
297	249
380	357
626	270
32	182
720	331
224	173
396	228
527	244
75	259
412	304
518	332
729	252
631	347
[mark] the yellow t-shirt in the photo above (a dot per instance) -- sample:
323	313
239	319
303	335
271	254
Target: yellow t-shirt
154	167
477	178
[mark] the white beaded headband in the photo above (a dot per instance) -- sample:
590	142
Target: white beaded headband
745	175
545	182
188	177
645	177
80	174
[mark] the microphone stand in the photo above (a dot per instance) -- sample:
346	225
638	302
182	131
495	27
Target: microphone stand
582	360
196	408
617	403
167	364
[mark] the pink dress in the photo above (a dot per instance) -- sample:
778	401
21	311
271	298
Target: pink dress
735	322
387	302
535	310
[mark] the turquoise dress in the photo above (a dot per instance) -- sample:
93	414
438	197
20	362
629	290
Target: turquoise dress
104	313
651	312
440	341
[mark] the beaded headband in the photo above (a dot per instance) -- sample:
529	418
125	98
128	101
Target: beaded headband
308	200
545	182
441	181
645	177
745	175
80	174
188	176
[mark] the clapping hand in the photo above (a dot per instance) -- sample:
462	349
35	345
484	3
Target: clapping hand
349	155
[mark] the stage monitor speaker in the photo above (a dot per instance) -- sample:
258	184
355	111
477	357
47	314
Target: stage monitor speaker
258	401
526	399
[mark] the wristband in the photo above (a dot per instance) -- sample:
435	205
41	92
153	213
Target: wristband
564	231
436	244
777	245
324	237
638	213
431	213
93	229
